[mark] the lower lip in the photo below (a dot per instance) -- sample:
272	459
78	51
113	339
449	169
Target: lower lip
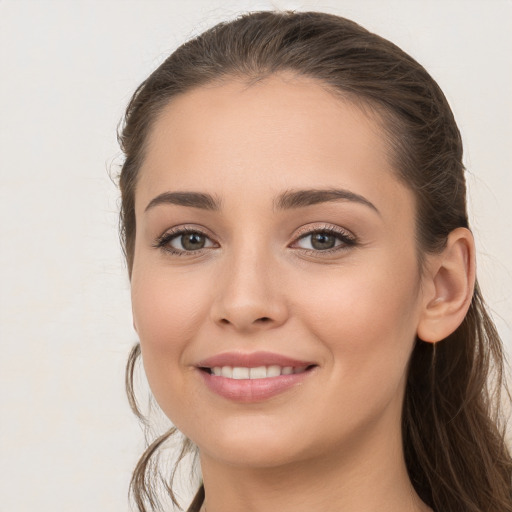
252	390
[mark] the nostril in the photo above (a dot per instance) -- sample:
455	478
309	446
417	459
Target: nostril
262	320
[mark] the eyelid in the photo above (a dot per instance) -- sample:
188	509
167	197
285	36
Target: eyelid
347	238
308	230
162	242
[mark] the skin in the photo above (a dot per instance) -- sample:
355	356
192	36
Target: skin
260	284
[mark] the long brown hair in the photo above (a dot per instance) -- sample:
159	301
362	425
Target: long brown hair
453	437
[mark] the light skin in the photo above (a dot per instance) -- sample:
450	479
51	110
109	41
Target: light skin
262	282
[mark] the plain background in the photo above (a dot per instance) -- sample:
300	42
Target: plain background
67	69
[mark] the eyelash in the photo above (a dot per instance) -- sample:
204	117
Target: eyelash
347	239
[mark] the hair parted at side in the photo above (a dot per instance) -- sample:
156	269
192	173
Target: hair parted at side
453	434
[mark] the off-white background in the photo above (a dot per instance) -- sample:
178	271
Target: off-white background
67	438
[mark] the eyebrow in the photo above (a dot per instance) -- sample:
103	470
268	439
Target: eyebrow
191	199
301	198
288	200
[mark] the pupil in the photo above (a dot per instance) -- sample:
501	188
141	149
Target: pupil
192	241
323	241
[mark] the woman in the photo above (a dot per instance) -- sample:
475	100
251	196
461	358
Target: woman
303	275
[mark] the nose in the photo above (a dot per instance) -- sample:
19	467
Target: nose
249	295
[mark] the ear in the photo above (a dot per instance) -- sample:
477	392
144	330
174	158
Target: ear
448	287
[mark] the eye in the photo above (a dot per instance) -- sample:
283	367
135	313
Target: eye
183	241
327	239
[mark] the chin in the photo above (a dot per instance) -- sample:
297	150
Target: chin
256	445
252	455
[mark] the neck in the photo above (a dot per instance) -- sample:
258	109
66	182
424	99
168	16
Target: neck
367	476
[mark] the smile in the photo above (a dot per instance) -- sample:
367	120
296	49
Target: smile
258	372
253	377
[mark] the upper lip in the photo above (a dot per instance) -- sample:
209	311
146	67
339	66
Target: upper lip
251	360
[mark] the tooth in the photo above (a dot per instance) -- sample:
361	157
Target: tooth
259	372
273	371
240	373
227	371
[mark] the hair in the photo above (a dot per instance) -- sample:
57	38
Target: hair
452	430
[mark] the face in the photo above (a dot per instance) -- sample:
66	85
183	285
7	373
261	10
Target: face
275	285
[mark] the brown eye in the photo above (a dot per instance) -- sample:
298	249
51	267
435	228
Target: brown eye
183	242
322	241
325	240
192	241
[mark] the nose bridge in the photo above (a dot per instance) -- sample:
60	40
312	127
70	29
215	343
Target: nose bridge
249	294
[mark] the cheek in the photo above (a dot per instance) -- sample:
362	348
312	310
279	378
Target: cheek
368	330
167	314
367	321
166	310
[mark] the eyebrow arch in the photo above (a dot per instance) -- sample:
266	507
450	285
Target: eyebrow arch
191	199
290	199
301	198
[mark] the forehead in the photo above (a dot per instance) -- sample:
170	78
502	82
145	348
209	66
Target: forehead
279	133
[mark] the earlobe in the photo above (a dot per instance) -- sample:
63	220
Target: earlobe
451	282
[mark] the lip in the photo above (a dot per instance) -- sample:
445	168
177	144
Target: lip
252	390
251	360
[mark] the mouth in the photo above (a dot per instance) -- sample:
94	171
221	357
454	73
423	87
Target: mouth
256	372
253	377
